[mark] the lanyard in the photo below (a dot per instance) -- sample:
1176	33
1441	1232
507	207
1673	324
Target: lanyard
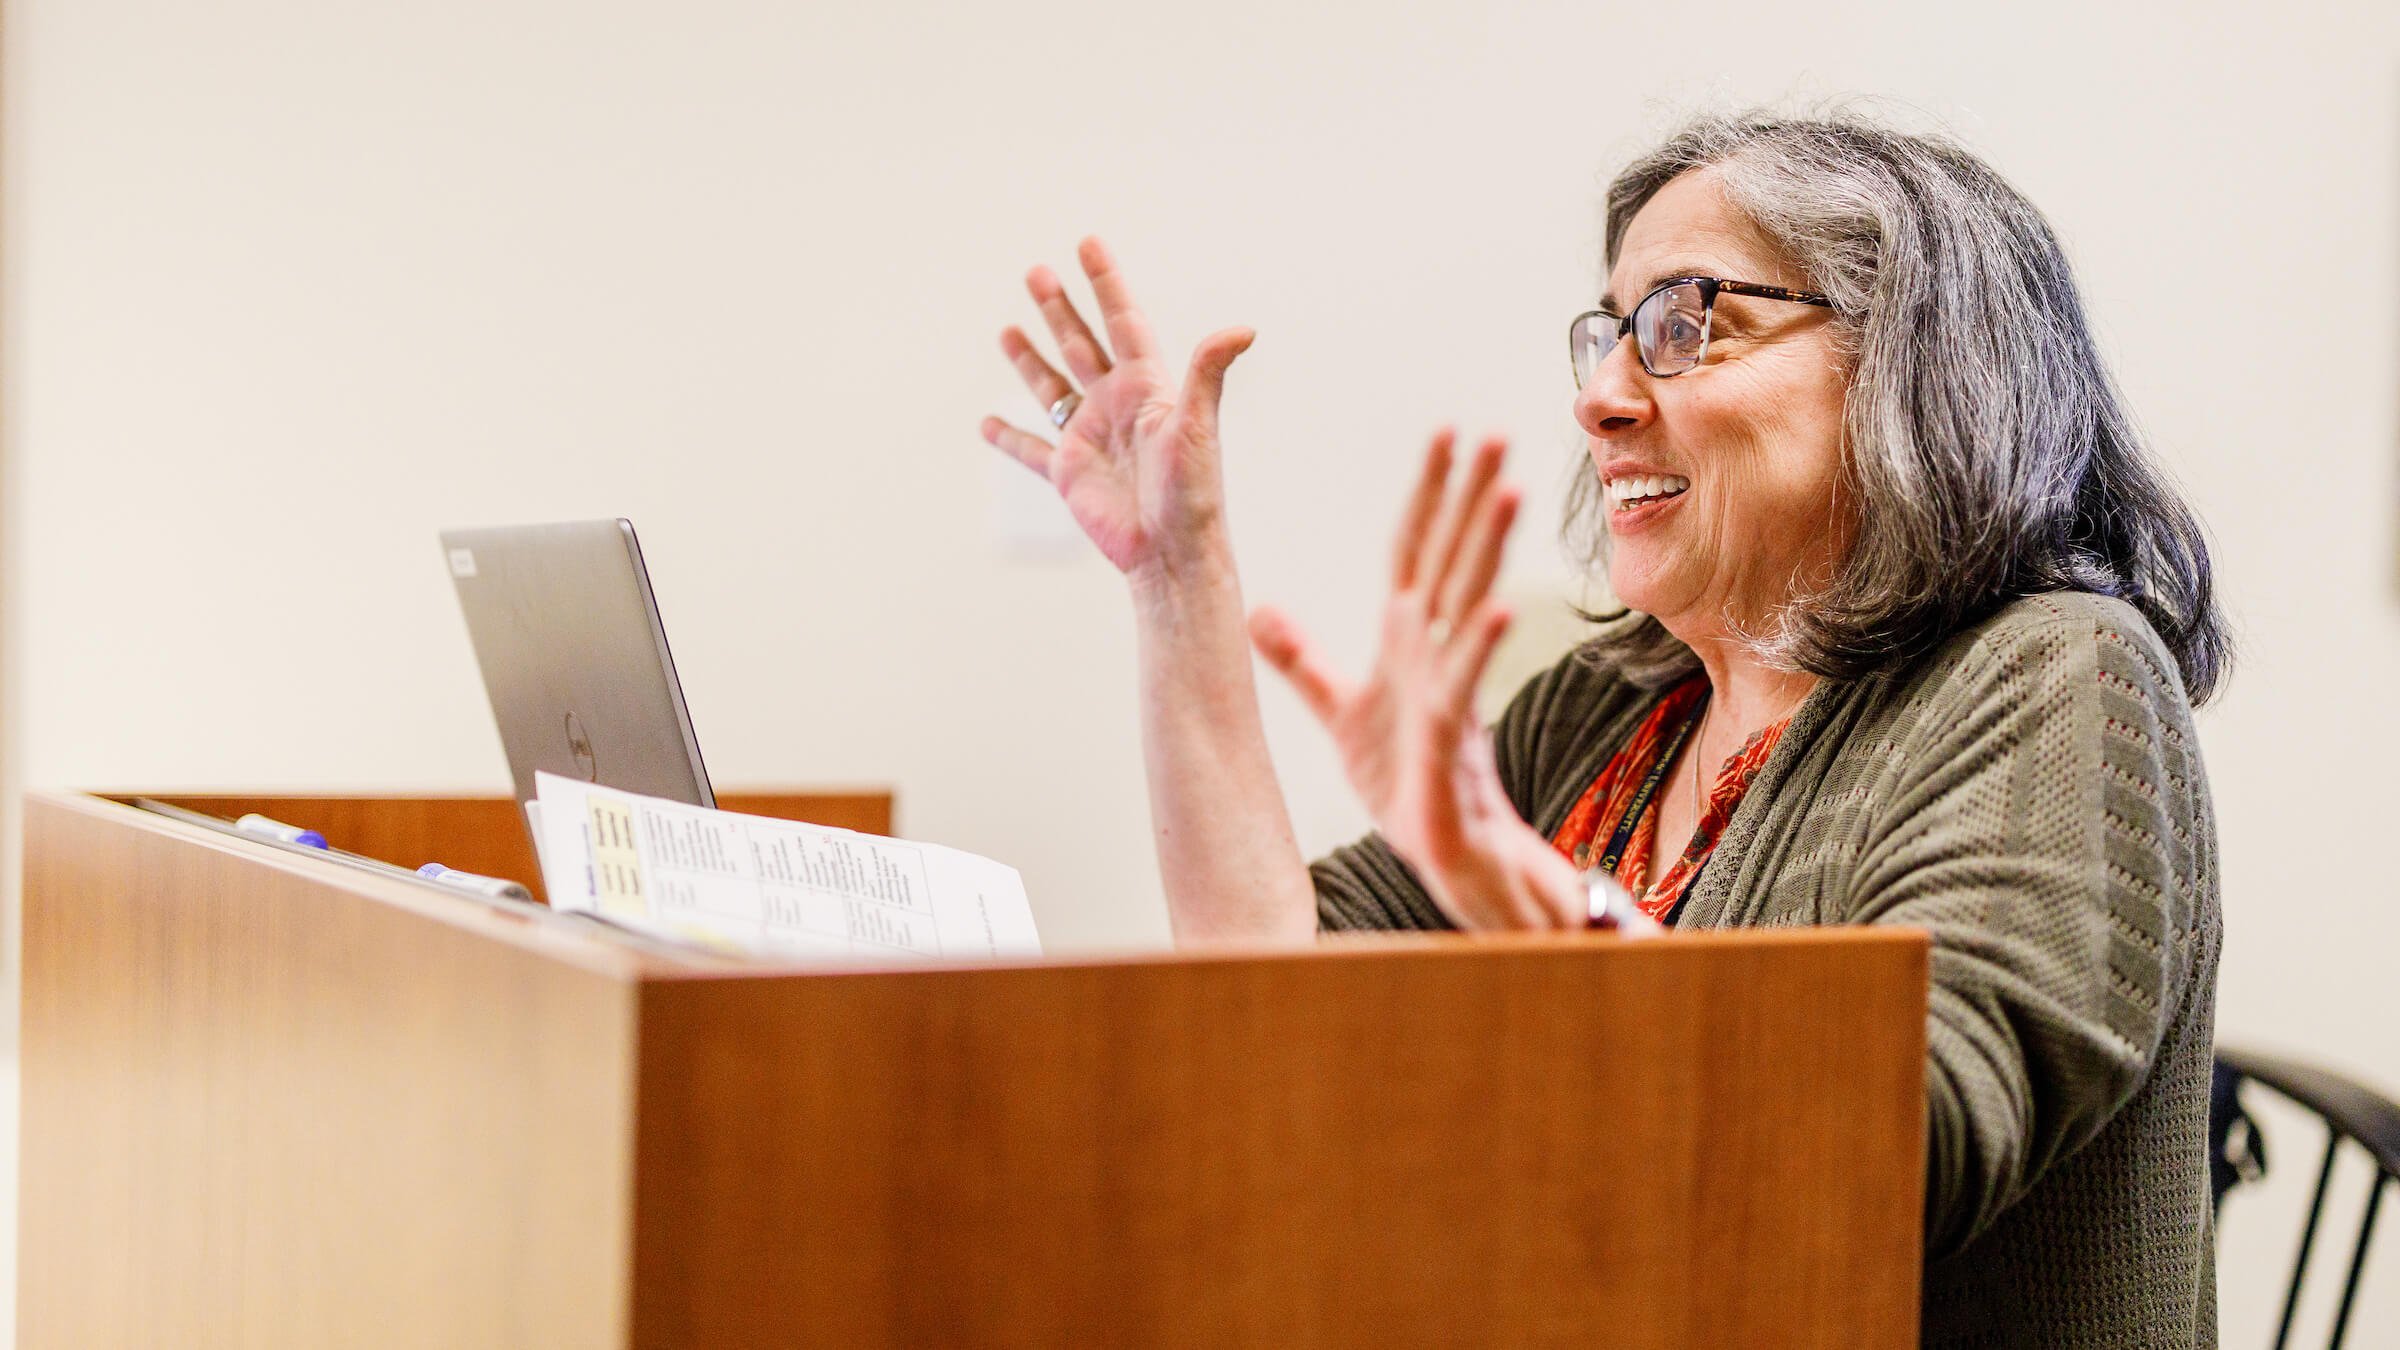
1615	852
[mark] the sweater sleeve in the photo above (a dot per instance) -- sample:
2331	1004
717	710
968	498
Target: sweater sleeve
2044	833
1366	885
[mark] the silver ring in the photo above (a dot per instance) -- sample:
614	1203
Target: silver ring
1610	906
1064	409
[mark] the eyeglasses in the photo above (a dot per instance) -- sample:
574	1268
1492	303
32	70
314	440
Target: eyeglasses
1669	326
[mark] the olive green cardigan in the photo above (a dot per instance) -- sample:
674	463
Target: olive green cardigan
2031	793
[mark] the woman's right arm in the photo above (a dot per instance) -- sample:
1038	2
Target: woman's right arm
1138	466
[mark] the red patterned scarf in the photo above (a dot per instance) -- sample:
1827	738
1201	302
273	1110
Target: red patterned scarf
1601	809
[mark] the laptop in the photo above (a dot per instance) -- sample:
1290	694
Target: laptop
575	659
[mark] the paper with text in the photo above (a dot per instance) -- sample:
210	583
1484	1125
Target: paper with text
773	887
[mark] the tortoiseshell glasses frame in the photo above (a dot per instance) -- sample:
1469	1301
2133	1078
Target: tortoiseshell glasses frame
1670	325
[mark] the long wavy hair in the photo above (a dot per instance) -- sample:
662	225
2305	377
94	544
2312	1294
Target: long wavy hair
1990	453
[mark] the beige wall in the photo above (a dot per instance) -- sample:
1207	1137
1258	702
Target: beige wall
292	286
11	606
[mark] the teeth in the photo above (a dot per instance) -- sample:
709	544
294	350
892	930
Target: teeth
1636	487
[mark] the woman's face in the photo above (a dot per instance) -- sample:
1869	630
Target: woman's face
1755	428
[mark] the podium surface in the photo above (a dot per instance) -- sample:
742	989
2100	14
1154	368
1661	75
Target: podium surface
272	1101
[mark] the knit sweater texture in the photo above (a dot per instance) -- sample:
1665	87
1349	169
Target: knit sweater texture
2030	792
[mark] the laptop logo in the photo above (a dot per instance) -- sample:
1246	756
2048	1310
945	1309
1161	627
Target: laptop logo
462	563
580	746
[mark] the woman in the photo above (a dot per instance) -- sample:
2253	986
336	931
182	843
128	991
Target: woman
1913	633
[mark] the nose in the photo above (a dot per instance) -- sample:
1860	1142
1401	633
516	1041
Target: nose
1617	397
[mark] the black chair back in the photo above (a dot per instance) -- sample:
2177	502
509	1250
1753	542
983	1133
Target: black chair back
2352	1112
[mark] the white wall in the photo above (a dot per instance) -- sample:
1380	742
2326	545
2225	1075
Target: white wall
291	286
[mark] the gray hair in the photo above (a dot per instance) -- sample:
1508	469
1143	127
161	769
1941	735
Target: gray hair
1991	455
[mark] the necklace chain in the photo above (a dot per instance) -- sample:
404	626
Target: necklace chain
1700	758
1659	866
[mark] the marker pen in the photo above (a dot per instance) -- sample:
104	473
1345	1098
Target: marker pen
268	828
490	888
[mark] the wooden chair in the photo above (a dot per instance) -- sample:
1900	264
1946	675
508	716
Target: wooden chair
2351	1112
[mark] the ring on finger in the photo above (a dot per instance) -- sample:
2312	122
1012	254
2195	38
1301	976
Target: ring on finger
1437	632
1065	408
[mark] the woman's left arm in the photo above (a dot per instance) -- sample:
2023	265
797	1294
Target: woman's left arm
2052	831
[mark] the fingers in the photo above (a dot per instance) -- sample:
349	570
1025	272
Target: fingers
1022	446
1040	376
1478	556
1086	361
1421	505
1206	384
1441	551
1128	331
1470	651
1295	658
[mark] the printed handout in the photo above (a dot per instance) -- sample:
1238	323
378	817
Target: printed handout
773	887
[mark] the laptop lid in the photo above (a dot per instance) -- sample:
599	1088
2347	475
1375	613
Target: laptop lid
575	659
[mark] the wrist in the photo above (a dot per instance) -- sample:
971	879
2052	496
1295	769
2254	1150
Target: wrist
1175	581
1511	881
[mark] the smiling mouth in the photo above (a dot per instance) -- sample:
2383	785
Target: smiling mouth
1641	490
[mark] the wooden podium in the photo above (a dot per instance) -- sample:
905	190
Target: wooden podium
272	1101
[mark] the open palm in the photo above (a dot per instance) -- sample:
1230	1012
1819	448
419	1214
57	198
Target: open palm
1409	742
1138	462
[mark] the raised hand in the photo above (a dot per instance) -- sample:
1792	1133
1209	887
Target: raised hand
1137	463
1407	733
